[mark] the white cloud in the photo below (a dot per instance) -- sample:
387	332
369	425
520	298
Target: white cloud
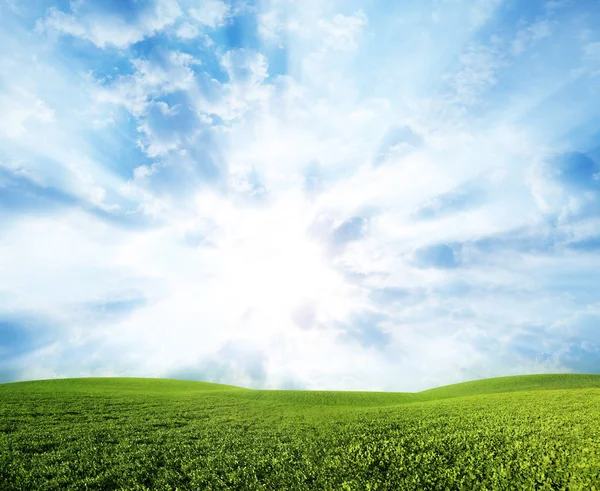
150	79
243	65
477	73
211	13
111	30
20	108
342	31
187	31
59	263
313	24
534	32
270	26
278	19
482	11
245	90
46	124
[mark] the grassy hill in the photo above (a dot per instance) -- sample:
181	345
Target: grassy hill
528	432
514	384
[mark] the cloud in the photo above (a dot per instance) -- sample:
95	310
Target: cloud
364	328
164	73
20	335
20	110
534	32
482	11
172	124
298	195
397	141
312	23
437	256
245	66
591	244
477	74
120	28
571	342
25	193
233	363
164	128
565	185
313	178
248	185
349	230
114	308
21	192
187	31
390	295
342	31
467	195
305	314
212	13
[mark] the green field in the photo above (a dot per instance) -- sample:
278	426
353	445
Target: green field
529	432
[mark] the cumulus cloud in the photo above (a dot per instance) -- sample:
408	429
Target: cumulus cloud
163	74
245	66
212	13
119	27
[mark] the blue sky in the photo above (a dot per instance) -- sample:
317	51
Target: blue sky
322	194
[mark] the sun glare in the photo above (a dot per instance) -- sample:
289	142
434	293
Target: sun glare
271	274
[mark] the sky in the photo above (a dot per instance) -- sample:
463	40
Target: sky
341	195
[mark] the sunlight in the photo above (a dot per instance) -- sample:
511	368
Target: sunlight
271	274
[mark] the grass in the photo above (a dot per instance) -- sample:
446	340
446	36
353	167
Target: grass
530	432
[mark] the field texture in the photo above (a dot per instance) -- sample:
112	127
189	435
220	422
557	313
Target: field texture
532	432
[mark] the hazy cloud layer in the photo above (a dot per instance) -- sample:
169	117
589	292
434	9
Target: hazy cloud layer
320	194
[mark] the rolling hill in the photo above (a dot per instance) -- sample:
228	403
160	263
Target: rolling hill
526	432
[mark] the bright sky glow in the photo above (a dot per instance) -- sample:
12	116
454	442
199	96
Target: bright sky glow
321	194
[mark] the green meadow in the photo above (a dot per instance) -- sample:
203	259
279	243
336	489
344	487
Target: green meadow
529	432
